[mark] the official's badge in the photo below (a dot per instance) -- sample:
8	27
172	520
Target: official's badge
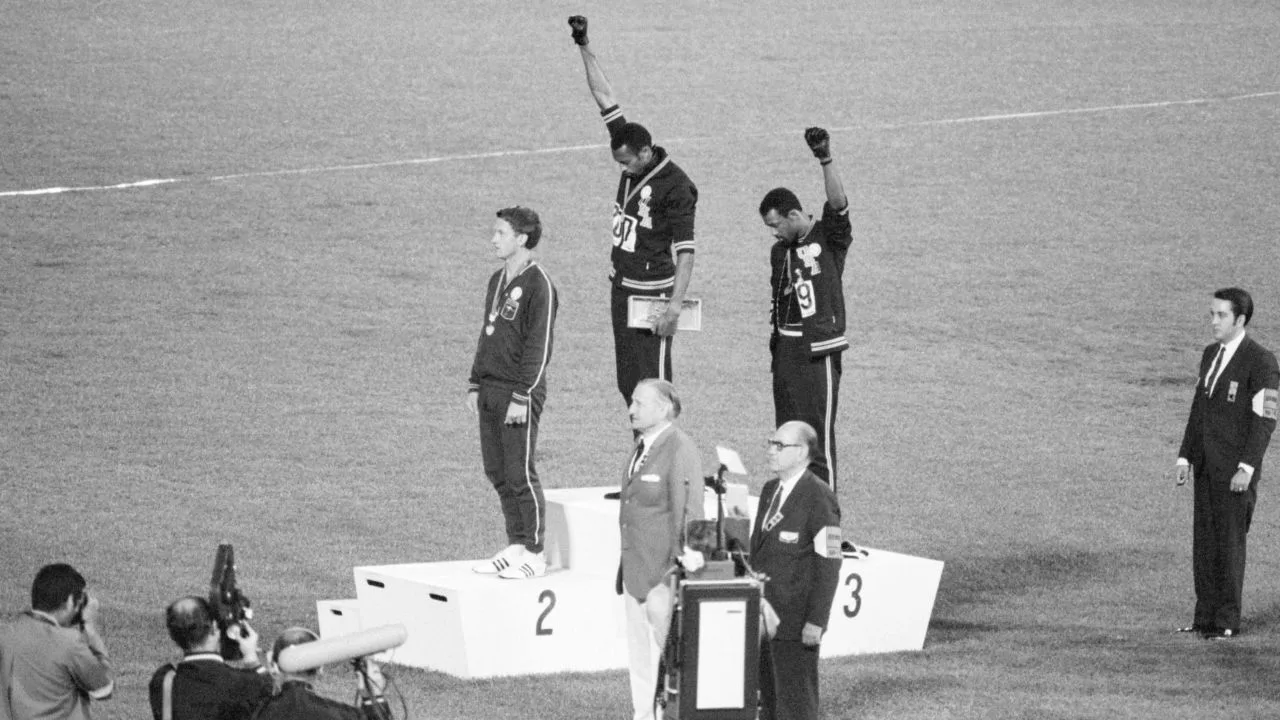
510	308
516	293
789	536
1231	391
771	521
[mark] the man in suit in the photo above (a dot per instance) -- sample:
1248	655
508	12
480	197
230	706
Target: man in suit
1231	420
297	699
661	492
203	685
796	543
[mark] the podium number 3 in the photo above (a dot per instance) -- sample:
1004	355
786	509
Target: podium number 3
550	598
854	595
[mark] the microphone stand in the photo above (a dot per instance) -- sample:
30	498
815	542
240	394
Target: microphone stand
373	702
716	483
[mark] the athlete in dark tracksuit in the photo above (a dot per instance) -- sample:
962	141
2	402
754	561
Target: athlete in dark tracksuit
807	314
509	382
653	216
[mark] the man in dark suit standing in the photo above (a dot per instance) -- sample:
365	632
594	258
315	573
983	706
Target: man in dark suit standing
661	491
1232	417
796	543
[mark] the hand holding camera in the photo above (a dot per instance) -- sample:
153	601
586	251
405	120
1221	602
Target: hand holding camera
246	641
89	611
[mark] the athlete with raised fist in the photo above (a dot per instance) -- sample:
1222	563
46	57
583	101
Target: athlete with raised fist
807	314
653	244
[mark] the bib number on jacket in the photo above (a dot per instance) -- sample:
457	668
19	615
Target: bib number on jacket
804	297
624	230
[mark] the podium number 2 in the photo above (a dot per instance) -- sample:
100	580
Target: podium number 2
550	598
854	595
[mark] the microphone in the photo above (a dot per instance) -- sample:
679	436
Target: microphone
308	656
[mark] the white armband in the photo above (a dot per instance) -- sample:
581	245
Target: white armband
1265	402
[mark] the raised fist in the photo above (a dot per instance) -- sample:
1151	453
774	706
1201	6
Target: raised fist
578	24
819	142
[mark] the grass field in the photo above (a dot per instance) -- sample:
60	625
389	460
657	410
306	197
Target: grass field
271	348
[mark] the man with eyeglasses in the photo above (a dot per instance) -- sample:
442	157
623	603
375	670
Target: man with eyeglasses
796	543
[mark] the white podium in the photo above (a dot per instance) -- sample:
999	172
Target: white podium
338	617
474	626
883	604
582	530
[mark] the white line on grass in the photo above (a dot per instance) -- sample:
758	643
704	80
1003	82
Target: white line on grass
1074	111
575	148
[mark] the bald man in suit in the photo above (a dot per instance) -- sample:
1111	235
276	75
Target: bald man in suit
661	492
796	543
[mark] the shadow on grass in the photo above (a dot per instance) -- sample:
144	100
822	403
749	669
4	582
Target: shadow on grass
969	580
1265	618
988	582
877	690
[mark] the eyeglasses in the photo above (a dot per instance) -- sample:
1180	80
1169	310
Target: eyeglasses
778	445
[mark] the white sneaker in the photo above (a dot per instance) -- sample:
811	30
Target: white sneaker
500	561
531	565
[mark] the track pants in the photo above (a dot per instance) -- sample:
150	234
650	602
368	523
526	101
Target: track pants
808	389
508	463
638	353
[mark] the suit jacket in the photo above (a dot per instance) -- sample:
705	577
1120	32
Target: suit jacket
1233	425
296	701
802	579
658	499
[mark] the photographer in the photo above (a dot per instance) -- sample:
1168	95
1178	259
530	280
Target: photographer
296	699
204	686
52	658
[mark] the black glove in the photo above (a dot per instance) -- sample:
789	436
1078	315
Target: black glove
579	25
819	142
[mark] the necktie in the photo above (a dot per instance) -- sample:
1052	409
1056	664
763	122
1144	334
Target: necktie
1212	378
637	457
771	517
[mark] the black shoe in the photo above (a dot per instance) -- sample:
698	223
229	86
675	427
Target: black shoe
613	496
1222	634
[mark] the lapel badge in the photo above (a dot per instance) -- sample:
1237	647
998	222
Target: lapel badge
1231	391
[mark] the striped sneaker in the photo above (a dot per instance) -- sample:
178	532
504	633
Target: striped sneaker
532	565
501	561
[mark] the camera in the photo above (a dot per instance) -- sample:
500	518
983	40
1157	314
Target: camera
82	600
230	606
